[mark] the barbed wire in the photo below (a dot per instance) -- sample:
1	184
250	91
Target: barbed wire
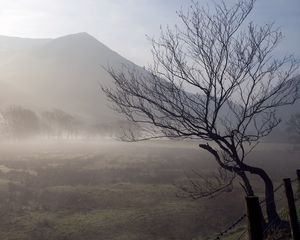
240	219
220	234
273	223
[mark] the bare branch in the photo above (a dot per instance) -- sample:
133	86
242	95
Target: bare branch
216	80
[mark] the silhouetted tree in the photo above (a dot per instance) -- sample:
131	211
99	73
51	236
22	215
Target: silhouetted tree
214	78
3	128
59	123
20	122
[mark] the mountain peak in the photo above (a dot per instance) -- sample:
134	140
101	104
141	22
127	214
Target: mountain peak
83	46
73	44
77	36
82	34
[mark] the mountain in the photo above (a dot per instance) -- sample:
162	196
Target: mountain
63	73
66	73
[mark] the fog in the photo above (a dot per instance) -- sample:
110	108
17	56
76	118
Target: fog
23	124
51	88
63	73
54	187
65	174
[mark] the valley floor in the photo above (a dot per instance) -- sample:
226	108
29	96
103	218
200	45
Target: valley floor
109	190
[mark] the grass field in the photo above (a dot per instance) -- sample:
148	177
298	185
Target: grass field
108	190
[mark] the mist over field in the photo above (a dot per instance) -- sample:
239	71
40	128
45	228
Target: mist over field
85	189
52	88
65	174
94	145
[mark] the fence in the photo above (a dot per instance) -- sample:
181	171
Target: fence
255	230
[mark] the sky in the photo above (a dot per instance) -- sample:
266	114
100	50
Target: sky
123	25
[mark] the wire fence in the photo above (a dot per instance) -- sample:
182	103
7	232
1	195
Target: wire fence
274	227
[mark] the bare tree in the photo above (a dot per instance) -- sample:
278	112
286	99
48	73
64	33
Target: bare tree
20	122
213	79
60	123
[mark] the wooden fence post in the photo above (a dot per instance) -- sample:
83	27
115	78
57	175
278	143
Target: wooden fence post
254	218
292	209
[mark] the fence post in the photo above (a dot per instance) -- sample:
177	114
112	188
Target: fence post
292	208
254	218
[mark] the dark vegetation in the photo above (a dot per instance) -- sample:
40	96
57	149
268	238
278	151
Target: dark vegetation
116	191
19	123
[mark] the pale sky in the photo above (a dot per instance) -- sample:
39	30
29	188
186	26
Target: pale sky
123	24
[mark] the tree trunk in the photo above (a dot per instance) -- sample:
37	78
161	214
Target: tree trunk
269	193
270	198
247	186
241	171
249	192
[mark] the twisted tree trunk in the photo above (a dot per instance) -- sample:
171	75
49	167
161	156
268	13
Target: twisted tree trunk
269	192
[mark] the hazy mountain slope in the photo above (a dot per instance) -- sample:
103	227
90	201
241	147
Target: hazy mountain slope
63	73
66	73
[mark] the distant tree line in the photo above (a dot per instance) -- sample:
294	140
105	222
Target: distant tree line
293	127
18	122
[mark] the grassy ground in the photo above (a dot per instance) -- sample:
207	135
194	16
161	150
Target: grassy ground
109	191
